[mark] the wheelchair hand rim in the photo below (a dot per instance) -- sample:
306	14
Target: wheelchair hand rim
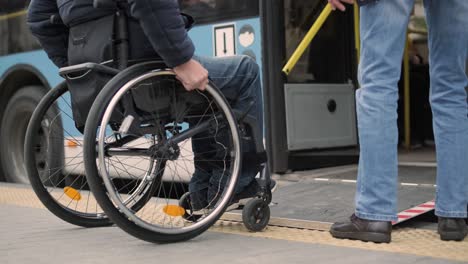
109	185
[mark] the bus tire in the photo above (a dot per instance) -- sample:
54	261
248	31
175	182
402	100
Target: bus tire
13	130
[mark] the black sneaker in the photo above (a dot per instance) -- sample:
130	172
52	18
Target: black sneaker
452	229
248	193
252	189
364	230
198	200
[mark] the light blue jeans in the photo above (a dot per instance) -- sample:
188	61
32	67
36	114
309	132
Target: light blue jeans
238	78
383	33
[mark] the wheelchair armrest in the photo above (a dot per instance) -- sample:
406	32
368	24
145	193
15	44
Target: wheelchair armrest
87	66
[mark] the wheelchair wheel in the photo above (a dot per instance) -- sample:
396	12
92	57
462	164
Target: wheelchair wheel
54	162
144	121
256	215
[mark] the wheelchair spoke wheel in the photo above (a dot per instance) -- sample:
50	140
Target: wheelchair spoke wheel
54	162
172	143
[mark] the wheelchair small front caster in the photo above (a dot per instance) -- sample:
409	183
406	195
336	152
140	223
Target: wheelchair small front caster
256	215
185	203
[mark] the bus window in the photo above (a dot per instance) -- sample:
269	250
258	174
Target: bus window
14	31
327	59
205	11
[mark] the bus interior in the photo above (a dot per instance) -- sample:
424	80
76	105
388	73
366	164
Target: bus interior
317	113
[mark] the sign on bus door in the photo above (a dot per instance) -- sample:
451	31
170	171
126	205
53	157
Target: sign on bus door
224	40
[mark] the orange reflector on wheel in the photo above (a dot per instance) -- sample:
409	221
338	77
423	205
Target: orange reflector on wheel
72	143
72	193
174	210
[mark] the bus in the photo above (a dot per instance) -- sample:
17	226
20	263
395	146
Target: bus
26	75
309	114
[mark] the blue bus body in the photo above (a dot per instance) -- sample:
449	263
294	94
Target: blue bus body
37	60
202	36
32	60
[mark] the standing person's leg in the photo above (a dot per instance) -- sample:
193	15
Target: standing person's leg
448	48
238	78
383	33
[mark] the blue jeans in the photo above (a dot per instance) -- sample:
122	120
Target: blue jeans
383	32
238	78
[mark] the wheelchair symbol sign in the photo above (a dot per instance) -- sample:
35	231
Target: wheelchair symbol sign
224	40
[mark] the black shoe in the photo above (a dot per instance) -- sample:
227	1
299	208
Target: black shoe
452	229
198	200
252	190
245	195
365	230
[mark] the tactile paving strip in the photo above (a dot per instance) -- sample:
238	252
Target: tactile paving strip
19	196
404	240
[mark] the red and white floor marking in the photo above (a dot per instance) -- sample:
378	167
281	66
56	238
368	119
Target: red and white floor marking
415	211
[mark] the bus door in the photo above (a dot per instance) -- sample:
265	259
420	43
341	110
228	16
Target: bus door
310	112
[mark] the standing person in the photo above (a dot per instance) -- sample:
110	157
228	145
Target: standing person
383	32
160	30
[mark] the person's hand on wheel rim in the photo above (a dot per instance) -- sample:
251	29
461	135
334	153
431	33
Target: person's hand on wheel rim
338	4
192	75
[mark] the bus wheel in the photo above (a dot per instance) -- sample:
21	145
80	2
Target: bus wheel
13	129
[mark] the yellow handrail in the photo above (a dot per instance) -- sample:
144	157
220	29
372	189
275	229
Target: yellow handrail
13	15
307	40
357	32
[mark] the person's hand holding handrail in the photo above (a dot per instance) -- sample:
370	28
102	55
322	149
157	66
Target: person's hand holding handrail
339	4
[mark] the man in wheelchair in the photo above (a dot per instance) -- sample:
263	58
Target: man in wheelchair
157	29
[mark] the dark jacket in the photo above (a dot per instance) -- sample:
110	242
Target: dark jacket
160	20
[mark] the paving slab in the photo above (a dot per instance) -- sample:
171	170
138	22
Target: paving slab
31	235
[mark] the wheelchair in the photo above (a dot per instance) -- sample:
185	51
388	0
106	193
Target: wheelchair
136	156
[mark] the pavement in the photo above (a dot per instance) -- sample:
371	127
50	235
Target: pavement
302	210
30	234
